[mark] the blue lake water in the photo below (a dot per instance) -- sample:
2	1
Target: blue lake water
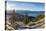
30	13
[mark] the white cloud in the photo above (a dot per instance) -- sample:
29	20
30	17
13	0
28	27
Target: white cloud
24	8
19	8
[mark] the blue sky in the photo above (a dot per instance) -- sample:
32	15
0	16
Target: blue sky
28	6
31	6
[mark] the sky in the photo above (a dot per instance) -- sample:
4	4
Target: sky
25	6
28	0
19	5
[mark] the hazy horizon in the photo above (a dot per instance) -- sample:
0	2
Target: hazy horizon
30	13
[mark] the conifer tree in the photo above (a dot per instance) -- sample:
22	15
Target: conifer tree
26	20
13	18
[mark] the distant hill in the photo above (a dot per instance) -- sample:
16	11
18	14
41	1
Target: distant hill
23	12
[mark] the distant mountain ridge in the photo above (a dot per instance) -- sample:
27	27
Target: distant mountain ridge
23	12
27	11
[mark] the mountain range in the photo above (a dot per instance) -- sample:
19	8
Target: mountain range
24	12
